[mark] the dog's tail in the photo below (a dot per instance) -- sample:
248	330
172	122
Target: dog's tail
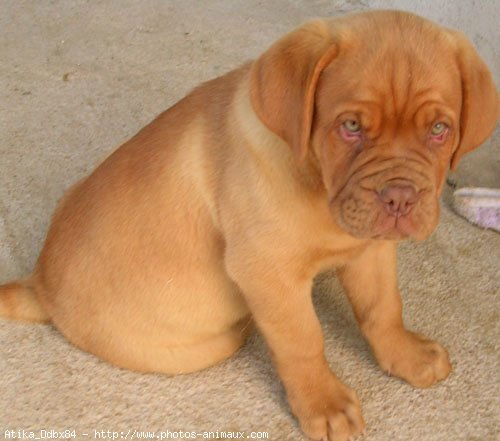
18	302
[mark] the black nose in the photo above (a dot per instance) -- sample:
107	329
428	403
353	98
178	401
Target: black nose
398	200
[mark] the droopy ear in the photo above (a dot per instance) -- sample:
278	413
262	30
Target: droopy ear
480	100
284	79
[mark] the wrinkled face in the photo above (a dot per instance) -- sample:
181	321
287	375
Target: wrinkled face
384	130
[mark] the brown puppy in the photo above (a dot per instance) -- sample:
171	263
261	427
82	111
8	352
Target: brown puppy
324	152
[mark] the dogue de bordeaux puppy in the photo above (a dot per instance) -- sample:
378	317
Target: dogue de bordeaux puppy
324	152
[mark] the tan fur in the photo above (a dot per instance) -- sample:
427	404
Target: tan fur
18	302
219	213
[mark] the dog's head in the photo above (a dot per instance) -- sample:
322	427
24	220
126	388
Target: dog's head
384	103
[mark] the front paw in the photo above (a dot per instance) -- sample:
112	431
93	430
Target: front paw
327	410
412	357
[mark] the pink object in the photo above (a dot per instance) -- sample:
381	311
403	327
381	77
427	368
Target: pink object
480	206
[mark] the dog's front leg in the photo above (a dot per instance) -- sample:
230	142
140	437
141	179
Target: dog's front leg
281	304
370	282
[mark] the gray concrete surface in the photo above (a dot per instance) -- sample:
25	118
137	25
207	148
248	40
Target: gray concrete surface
77	78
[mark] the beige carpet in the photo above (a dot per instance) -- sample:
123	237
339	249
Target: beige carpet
77	78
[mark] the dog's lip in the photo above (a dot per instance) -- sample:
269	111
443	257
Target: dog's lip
393	227
388	226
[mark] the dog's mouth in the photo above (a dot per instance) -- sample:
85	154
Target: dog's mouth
397	212
394	227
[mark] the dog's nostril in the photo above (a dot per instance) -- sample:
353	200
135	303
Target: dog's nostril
398	199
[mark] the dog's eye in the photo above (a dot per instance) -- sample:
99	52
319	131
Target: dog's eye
438	129
352	126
